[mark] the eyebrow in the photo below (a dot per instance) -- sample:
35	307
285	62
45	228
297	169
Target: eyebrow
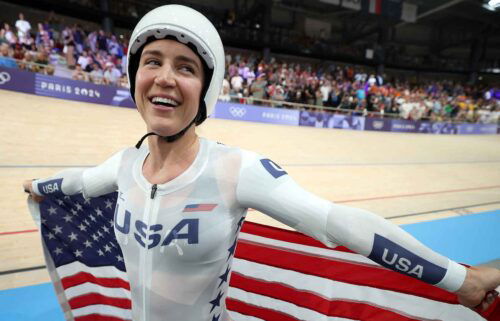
183	58
152	52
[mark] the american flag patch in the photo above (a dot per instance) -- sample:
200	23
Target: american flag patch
199	207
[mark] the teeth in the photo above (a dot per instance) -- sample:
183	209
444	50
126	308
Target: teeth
163	100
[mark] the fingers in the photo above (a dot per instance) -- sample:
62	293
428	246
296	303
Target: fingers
29	190
491	296
488	300
27	186
37	198
478	291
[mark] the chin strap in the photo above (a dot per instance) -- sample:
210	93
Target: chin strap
168	139
139	143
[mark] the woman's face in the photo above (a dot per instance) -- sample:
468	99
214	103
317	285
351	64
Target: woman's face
168	86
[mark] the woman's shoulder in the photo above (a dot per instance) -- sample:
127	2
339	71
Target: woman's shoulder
130	153
222	152
221	147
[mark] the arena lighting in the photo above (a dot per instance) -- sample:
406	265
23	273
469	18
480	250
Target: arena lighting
492	5
487	7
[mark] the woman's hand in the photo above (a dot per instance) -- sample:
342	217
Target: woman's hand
29	189
478	290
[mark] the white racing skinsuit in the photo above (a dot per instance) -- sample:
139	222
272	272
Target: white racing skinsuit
178	238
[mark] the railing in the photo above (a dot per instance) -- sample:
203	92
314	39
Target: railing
328	109
32	66
49	69
309	107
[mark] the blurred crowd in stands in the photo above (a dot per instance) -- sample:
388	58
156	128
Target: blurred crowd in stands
91	56
355	89
101	58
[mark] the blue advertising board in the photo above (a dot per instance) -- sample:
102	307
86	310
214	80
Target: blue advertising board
235	111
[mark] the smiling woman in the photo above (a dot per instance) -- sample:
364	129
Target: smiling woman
192	192
168	87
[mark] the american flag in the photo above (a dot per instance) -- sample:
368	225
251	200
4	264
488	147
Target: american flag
199	207
84	259
277	275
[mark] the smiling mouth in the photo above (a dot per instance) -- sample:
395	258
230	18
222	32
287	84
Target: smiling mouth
165	102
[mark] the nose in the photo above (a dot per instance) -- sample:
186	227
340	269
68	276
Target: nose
165	77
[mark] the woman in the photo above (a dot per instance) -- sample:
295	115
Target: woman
182	198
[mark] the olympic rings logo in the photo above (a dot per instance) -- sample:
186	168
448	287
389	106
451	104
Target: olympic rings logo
4	77
237	111
378	124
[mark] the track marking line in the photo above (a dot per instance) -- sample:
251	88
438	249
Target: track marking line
18	232
418	194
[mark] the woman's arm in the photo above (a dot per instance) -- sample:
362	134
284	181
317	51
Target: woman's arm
263	185
92	182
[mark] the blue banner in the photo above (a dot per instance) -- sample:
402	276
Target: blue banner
329	120
237	111
405	126
378	124
480	129
437	127
82	91
13	79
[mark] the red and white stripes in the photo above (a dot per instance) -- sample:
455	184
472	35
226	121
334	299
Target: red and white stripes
283	275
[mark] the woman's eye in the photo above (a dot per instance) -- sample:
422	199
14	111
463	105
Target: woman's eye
152	62
187	69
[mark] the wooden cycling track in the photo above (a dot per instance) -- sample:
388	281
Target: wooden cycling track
406	178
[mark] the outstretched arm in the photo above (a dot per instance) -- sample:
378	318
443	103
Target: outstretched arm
263	185
92	182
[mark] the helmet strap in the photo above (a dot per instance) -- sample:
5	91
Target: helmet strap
173	138
139	143
168	139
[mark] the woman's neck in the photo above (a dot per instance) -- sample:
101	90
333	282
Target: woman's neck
167	160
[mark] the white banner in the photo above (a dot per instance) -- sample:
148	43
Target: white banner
336	2
352	4
409	12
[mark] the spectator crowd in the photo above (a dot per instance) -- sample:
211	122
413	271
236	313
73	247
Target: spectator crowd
100	57
355	90
91	56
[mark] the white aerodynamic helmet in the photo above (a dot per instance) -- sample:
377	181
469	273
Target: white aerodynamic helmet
189	27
